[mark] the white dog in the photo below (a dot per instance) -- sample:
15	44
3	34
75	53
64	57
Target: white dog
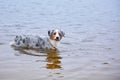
37	42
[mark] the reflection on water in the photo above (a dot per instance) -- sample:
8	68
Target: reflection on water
52	57
53	60
30	51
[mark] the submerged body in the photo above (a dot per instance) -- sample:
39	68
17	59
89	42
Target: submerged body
37	42
30	41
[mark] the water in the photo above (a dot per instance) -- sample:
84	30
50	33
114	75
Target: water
89	51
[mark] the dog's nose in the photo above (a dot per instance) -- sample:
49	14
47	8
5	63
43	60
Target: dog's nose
57	38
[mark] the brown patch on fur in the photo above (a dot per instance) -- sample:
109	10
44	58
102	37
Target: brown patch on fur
53	36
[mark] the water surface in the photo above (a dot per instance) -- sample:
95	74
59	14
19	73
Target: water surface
89	51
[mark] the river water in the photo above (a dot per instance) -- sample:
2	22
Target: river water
89	51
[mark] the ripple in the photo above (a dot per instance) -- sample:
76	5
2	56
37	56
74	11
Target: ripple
65	43
2	43
89	39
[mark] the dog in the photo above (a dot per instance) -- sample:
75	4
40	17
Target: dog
37	42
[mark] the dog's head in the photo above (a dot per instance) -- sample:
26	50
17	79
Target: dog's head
56	34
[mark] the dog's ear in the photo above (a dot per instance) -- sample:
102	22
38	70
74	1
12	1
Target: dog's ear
49	33
63	34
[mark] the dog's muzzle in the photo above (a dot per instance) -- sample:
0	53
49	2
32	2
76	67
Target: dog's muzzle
57	38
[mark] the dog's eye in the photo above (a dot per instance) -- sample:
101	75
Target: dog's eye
54	33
